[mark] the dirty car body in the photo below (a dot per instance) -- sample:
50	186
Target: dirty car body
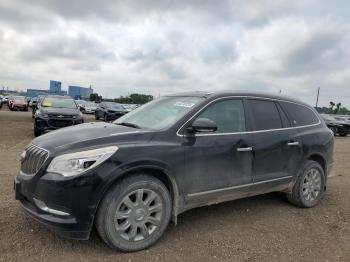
200	168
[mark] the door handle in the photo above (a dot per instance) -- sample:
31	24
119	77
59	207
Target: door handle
245	149
293	143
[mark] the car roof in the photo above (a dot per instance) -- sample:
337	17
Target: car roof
218	94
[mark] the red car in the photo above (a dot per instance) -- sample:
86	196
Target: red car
18	103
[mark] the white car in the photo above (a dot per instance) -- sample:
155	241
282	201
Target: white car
90	108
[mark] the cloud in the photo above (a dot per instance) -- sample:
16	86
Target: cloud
161	47
62	46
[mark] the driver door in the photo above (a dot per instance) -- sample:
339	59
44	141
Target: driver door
218	163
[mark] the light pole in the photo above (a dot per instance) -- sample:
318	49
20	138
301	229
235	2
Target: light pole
318	94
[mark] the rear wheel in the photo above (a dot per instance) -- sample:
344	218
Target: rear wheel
134	214
96	116
309	186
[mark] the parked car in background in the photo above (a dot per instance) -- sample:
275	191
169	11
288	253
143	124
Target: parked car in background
4	99
35	105
32	101
109	111
81	104
343	118
90	108
340	127
18	103
130	177
55	112
128	107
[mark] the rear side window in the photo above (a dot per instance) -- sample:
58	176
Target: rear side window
299	115
227	114
265	114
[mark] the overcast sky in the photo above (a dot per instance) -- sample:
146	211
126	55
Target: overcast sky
160	47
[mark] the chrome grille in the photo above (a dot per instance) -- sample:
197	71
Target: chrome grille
34	158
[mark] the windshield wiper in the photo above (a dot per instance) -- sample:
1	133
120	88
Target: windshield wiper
128	124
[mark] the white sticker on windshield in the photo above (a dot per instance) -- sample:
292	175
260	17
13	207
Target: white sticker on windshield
184	104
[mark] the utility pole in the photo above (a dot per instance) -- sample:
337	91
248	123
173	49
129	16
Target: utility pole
318	94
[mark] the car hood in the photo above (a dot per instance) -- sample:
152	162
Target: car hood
19	102
336	122
62	111
89	135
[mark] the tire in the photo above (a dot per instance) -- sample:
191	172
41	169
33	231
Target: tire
343	133
299	195
105	118
114	200
96	117
37	131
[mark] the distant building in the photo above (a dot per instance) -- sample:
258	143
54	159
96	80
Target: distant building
78	92
55	87
36	92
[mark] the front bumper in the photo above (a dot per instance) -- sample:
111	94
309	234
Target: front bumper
47	124
89	111
75	199
19	107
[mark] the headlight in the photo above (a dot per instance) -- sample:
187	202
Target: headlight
40	114
74	164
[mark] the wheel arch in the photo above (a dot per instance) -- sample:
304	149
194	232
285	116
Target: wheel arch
319	159
158	172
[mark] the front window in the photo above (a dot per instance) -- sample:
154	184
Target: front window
58	103
19	99
228	115
160	113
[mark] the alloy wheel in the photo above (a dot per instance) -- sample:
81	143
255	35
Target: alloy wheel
311	186
138	215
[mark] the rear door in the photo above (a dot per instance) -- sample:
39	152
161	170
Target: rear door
275	143
216	163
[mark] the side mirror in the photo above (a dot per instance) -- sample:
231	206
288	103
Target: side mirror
203	125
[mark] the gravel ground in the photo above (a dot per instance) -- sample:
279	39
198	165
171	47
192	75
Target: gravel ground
263	228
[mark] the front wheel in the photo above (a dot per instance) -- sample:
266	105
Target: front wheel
37	131
96	117
343	133
309	186
134	213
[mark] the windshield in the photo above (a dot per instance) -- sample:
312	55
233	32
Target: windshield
114	106
19	98
58	103
160	113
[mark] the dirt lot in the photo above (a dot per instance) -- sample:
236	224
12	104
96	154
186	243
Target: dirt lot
264	228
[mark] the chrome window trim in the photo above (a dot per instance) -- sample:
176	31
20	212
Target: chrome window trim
249	132
237	187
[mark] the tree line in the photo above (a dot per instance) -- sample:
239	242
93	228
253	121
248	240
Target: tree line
333	108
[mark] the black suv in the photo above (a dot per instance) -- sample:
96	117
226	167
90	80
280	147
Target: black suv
109	111
337	125
55	112
130	177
